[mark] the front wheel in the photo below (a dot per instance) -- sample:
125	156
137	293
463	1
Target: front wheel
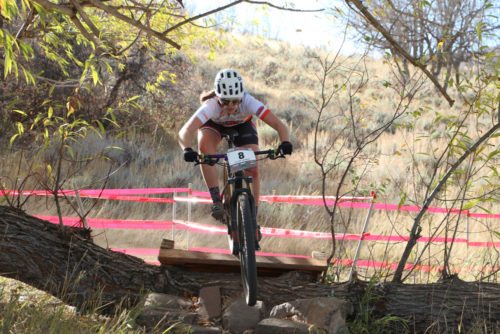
246	235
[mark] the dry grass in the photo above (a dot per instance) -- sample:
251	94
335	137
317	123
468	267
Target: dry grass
283	76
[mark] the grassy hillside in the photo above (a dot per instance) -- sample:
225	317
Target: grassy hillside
288	79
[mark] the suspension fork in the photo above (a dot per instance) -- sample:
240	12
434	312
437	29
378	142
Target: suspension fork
234	212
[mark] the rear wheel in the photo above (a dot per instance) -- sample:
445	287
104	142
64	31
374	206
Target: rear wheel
246	235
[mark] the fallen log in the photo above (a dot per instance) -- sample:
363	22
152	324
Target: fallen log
64	262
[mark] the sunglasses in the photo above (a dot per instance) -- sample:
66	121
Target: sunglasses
226	102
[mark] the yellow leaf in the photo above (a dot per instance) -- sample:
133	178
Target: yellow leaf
440	45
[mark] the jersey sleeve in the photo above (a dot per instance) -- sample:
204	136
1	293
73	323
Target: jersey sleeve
255	107
205	112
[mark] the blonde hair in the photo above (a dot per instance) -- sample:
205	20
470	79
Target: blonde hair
207	95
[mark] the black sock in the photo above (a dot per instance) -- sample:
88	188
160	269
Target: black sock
215	194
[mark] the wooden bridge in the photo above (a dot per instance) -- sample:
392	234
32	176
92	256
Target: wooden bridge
210	262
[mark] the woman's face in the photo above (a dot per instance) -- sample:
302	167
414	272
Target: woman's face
229	105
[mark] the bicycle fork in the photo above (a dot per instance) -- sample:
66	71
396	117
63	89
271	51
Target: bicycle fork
233	204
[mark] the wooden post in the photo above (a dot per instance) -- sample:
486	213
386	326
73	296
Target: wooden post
365	226
174	209
467	229
167	244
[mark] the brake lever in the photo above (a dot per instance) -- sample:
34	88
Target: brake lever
276	155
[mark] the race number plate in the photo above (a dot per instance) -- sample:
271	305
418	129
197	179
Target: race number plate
241	158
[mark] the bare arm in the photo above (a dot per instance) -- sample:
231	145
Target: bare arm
186	133
274	122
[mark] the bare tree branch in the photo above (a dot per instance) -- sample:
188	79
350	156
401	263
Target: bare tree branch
369	17
118	15
85	18
197	17
283	8
414	233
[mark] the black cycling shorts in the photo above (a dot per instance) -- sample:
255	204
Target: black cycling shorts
247	132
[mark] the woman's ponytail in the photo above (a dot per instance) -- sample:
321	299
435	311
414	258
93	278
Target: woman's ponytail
207	95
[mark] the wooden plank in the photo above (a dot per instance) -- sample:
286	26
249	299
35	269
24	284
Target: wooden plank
210	262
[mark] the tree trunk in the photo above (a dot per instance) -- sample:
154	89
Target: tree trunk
64	262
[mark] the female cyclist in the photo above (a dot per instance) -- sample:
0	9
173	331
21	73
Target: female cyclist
226	107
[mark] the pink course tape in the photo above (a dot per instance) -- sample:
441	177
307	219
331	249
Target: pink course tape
138	251
132	198
418	267
203	197
97	192
347	203
114	223
266	231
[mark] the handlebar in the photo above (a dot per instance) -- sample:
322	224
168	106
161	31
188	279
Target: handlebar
212	159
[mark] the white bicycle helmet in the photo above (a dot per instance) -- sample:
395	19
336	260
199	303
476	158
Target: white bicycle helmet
228	84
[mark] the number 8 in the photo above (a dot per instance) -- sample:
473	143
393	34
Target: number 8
241	155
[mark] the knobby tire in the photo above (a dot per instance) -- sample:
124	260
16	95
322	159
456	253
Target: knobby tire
246	234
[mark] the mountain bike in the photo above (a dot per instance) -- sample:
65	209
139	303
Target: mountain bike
239	207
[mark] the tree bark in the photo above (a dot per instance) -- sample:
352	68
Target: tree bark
65	263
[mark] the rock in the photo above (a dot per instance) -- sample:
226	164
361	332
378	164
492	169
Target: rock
162	318
210	302
238	317
168	301
323	312
161	311
281	326
195	329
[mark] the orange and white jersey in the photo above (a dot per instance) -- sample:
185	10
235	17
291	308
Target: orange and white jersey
249	106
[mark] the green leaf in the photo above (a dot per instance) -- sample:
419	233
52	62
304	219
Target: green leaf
95	77
492	154
470	204
13	138
133	98
70	150
20	128
20	112
49	168
402	201
479	30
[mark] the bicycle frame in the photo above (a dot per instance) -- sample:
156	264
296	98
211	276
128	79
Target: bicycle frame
239	205
235	182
